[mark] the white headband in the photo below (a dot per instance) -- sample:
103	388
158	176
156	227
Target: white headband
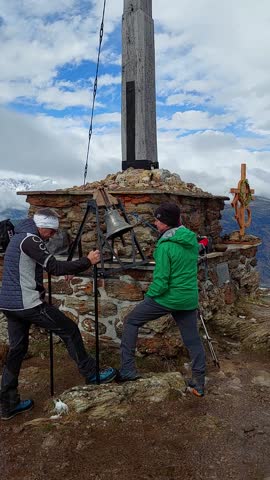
44	221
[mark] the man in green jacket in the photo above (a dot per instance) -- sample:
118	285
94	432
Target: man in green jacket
174	290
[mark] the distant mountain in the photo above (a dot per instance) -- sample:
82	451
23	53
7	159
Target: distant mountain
12	184
14	214
260	226
13	206
15	184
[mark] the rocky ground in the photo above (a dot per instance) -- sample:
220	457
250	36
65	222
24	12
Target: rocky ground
152	430
225	435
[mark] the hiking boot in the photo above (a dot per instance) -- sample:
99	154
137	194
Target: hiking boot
105	376
22	407
195	388
127	377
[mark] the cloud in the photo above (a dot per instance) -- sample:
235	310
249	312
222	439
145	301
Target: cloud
107	80
218	50
55	147
212	81
45	147
185	99
212	161
41	9
38	38
195	120
105	118
9	199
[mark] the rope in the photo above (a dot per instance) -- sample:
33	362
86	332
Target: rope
94	93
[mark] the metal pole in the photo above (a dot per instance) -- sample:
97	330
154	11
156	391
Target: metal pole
96	322
51	339
209	341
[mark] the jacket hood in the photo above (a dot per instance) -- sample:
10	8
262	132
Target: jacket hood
181	235
26	226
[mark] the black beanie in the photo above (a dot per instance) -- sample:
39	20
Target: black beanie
168	213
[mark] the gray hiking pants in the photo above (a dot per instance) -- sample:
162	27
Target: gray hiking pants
52	319
186	320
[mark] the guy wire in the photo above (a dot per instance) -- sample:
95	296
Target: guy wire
94	93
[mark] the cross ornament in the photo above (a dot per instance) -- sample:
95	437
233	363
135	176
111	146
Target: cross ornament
242	197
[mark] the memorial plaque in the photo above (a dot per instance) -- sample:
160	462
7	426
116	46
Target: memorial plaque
223	274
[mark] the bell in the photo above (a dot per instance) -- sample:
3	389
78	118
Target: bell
115	225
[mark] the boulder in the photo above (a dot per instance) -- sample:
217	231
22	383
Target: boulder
101	401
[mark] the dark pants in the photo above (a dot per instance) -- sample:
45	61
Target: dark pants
186	320
52	319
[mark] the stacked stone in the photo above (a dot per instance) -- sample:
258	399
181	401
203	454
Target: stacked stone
244	280
140	180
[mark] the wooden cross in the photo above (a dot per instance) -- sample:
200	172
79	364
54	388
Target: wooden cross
242	198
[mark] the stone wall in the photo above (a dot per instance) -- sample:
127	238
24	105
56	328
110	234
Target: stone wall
140	191
223	278
200	214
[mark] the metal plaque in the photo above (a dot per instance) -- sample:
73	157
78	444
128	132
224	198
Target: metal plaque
223	274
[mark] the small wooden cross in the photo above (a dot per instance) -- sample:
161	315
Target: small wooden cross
242	198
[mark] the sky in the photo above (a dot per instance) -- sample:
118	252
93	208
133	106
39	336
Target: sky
212	89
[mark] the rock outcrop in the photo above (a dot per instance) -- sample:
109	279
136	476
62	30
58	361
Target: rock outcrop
116	399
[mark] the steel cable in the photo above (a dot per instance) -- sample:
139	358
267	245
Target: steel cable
94	93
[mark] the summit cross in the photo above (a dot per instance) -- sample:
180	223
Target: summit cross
138	129
242	197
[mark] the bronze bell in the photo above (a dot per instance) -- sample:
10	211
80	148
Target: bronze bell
116	226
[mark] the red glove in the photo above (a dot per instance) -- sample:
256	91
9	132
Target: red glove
204	242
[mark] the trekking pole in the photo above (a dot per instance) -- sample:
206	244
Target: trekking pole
96	322
51	338
209	341
207	336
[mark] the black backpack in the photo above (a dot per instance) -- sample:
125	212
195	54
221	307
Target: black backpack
6	232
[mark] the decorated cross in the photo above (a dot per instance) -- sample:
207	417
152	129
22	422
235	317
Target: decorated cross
242	198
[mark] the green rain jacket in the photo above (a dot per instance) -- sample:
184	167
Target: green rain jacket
175	283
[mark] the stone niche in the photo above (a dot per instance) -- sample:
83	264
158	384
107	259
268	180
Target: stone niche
223	276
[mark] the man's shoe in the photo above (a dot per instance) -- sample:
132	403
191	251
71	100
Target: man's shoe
193	387
23	406
127	377
105	376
